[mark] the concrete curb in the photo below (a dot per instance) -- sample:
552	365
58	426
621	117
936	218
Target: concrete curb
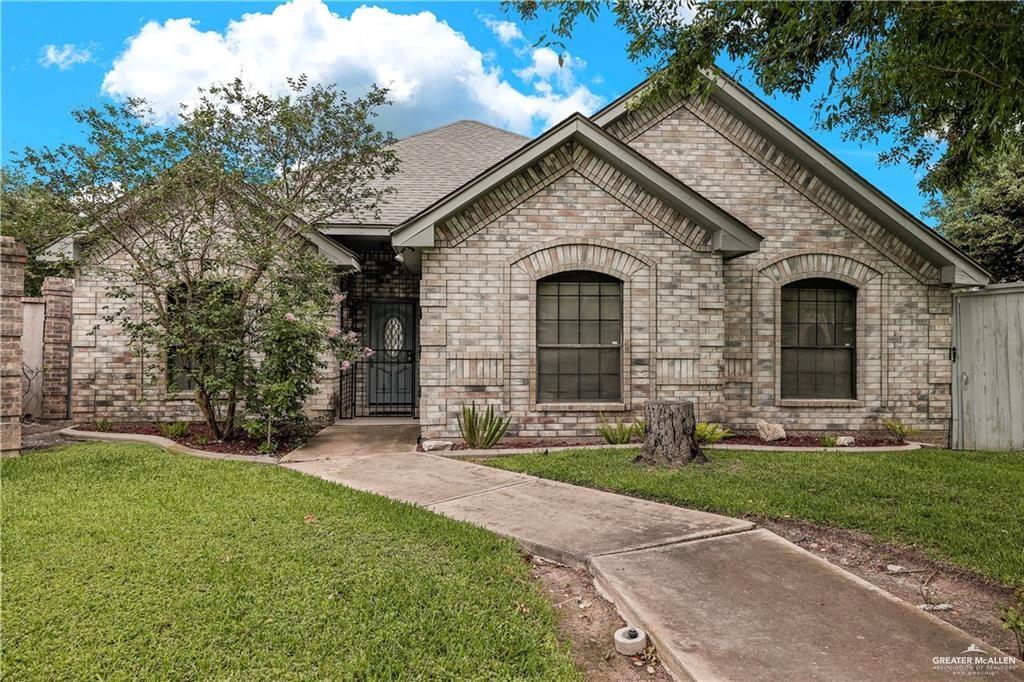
166	444
505	452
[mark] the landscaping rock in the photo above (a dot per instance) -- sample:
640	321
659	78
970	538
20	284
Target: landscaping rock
769	432
894	568
432	445
844	441
937	607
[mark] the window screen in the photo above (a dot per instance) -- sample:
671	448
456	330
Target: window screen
579	337
818	339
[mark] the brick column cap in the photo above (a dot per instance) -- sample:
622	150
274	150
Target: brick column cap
58	285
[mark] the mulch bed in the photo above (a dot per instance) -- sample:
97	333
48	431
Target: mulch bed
809	441
739	439
199	437
537	443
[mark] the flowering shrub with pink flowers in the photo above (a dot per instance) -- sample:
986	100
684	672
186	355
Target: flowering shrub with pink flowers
295	344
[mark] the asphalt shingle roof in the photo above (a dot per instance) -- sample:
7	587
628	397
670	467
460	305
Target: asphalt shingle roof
436	162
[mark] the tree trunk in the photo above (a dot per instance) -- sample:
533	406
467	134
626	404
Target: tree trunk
670	440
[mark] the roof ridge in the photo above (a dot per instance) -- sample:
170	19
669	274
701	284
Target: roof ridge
456	122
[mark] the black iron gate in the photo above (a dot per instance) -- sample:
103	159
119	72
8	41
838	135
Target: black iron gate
384	384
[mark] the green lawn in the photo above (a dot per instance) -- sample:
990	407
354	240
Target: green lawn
964	507
122	561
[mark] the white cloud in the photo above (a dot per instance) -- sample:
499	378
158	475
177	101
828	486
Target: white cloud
545	67
64	56
435	76
508	32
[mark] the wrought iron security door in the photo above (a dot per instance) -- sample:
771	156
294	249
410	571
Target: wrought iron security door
391	372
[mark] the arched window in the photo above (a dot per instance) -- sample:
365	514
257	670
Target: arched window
579	337
819	336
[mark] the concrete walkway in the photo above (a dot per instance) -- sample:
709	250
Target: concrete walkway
721	599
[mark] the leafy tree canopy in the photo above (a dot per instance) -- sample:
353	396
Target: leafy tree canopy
196	228
944	79
35	216
985	215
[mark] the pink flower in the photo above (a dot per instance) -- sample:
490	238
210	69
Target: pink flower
289	317
351	336
345	365
368	352
333	332
339	298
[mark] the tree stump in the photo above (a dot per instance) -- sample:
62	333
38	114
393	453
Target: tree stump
670	439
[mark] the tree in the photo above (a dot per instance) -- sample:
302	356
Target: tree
36	217
985	215
198	228
944	79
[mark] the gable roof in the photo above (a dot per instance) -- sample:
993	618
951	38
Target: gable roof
729	236
955	266
434	163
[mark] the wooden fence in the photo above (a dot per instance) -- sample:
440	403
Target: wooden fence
988	368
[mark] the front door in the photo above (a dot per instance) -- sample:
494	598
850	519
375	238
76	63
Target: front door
391	371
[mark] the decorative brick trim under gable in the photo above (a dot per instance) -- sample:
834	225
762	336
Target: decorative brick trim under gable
572	157
635	123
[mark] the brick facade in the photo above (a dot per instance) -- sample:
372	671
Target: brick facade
12	287
58	297
111	380
696	327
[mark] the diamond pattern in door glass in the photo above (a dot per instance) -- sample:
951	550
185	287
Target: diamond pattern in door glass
394	337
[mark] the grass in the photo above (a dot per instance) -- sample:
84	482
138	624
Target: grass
966	508
125	562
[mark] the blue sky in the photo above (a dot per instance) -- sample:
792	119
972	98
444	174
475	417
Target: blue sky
445	61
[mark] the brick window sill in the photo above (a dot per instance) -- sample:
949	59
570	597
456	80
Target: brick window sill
580	407
811	402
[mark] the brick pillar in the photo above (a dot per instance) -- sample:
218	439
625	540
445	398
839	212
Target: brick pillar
12	288
57	291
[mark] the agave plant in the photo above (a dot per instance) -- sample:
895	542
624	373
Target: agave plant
481	431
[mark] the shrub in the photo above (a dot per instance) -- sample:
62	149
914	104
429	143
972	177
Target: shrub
898	429
711	433
481	431
173	429
104	425
640	429
828	441
617	433
1013	619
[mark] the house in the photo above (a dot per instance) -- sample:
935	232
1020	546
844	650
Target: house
701	250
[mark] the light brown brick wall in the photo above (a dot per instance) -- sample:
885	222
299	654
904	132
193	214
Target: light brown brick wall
58	296
111	380
904	315
697	327
12	287
478	301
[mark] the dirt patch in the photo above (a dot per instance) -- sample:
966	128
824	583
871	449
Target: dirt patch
919	580
537	443
589	622
36	435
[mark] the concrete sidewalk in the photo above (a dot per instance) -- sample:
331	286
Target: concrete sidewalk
721	599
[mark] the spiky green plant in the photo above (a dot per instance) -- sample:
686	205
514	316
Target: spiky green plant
103	425
640	429
710	433
898	429
173	429
616	433
828	441
481	431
